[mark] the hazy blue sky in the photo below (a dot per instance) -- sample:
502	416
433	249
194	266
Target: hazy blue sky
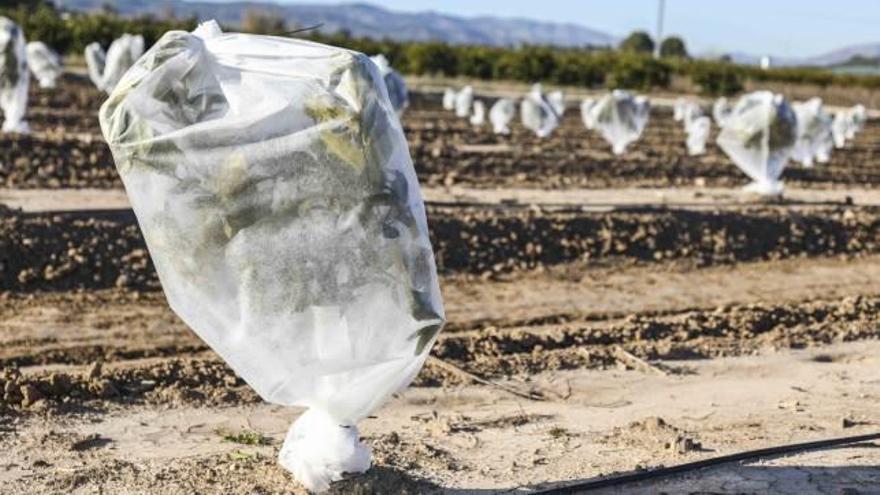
780	27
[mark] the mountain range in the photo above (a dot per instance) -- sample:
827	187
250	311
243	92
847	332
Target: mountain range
361	19
367	20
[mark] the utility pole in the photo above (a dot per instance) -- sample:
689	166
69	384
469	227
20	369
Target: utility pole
661	12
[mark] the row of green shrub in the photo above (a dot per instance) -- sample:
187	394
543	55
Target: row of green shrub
70	33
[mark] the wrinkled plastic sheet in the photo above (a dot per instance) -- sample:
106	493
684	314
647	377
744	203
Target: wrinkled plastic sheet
464	102
96	60
44	63
478	115
620	117
698	135
721	111
502	113
122	54
14	77
275	191
814	135
538	113
396	86
759	137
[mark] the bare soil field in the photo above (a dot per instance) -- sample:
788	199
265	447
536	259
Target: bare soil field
606	315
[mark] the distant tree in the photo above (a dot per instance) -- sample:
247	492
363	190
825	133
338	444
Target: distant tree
673	46
261	22
638	42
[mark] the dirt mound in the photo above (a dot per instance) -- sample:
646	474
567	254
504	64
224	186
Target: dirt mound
28	161
94	251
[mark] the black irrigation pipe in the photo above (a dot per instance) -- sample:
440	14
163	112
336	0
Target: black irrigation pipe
748	455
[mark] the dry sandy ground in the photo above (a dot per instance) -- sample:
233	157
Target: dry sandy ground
586	199
481	440
448	436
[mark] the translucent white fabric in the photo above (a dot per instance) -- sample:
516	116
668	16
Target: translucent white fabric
587	113
813	132
44	63
698	134
96	60
759	137
840	128
538	114
464	102
557	100
858	115
274	187
122	54
691	112
620	117
721	111
501	114
449	99
397	92
679	107
478	116
14	77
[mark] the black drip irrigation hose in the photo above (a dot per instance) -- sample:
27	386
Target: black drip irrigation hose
665	472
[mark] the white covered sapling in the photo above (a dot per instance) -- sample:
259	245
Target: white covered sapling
698	134
478	116
14	77
620	117
464	102
397	92
721	111
587	113
122	54
96	60
449	99
813	132
44	63
538	114
273	184
557	100
759	137
501	114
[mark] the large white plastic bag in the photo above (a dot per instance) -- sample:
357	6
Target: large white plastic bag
122	54
44	63
96	60
14	77
478	116
538	113
620	117
813	131
501	115
464	101
397	92
759	137
274	187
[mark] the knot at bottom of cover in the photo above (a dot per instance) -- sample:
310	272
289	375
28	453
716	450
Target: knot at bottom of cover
318	450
